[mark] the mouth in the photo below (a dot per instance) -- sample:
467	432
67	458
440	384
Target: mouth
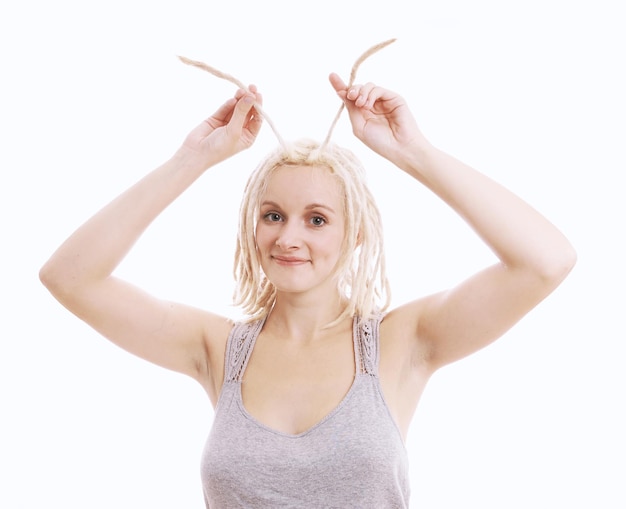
289	260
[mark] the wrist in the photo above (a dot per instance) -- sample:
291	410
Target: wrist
189	160
414	157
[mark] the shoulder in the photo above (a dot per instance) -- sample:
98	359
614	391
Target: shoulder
402	322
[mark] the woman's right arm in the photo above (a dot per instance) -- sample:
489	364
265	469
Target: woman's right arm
79	273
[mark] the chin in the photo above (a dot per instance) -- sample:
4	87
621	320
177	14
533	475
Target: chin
292	288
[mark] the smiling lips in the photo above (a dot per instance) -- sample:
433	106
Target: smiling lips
289	260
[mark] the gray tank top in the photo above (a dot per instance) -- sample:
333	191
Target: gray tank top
354	458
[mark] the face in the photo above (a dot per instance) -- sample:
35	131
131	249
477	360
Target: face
300	229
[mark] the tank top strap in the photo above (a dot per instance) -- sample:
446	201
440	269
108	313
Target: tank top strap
366	344
238	348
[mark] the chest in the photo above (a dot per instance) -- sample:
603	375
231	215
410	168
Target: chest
290	389
354	458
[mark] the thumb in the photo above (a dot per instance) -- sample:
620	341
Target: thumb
338	84
242	108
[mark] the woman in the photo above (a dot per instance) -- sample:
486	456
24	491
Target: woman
314	393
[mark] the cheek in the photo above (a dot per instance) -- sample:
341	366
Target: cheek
336	245
261	236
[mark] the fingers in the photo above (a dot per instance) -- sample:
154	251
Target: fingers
252	89
361	96
254	118
242	91
244	113
224	111
364	96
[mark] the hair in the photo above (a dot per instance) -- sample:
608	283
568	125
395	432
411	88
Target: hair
360	271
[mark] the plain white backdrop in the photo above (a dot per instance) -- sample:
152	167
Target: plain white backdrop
92	97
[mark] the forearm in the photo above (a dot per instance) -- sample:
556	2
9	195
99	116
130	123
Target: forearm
519	235
93	251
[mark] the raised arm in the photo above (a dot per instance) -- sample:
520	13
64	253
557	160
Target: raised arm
534	256
79	273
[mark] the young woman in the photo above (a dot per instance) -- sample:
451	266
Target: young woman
314	393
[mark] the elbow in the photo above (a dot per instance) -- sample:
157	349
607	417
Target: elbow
557	264
49	277
546	268
46	275
55	279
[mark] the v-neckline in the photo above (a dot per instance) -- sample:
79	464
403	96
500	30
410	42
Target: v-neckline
356	350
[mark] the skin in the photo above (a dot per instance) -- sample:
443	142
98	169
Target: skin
299	370
297	373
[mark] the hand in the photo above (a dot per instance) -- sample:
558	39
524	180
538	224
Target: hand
231	129
380	118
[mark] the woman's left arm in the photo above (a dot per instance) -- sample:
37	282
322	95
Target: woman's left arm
534	256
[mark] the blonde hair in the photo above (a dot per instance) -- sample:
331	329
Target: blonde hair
360	270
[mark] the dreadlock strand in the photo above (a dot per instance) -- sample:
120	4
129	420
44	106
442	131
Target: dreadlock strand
355	67
232	79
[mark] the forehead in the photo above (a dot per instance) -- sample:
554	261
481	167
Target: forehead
292	184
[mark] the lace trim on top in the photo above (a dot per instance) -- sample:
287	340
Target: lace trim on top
240	342
244	335
366	344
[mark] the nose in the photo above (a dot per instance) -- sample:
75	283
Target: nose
289	236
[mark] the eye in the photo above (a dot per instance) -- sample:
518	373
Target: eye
318	221
272	217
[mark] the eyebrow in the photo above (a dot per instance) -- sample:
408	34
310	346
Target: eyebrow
308	207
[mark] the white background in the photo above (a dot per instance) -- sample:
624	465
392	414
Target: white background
93	97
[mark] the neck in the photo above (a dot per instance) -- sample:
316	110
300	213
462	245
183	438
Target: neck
304	318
